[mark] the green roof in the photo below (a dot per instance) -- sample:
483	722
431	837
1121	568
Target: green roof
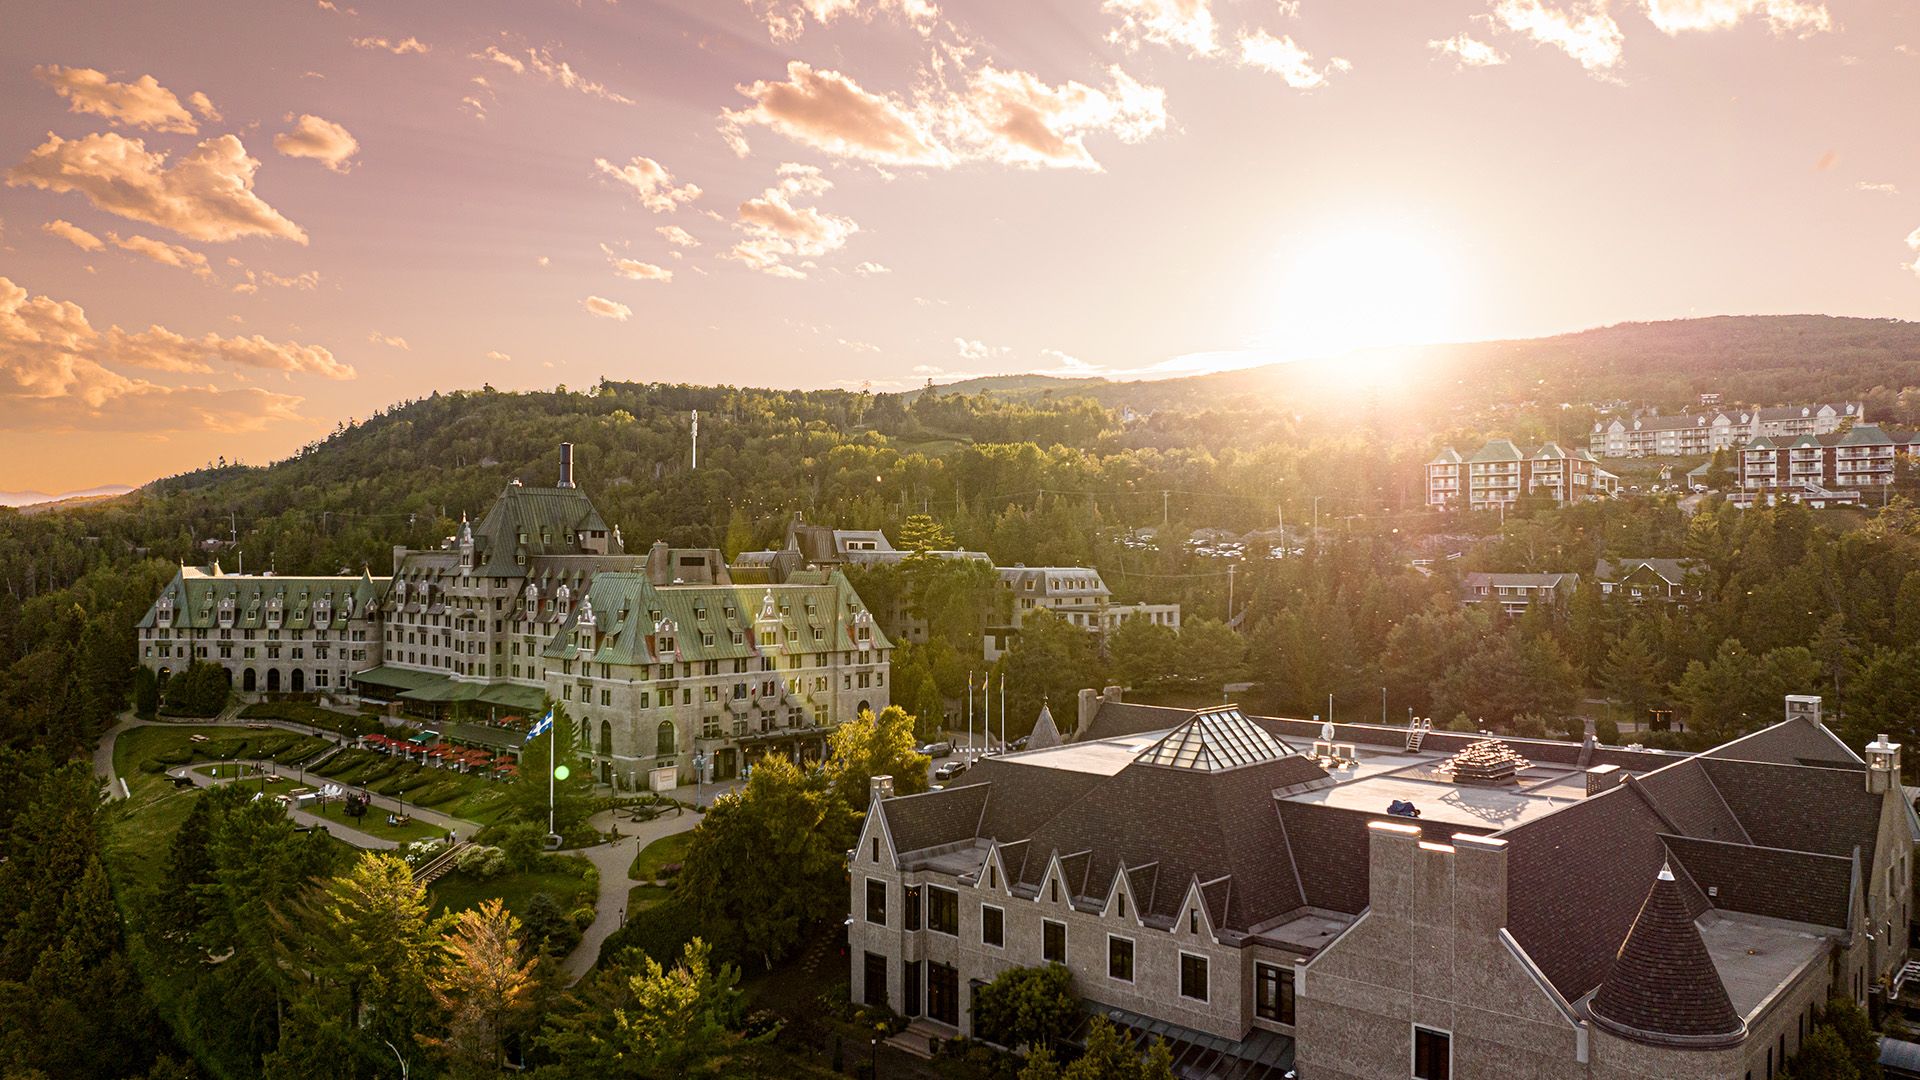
201	598
1497	450
1865	435
549	519
396	678
485	735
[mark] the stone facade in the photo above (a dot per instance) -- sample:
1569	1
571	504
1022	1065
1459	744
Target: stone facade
272	634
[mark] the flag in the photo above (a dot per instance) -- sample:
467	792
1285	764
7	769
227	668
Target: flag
541	726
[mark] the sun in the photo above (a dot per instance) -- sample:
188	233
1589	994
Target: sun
1361	284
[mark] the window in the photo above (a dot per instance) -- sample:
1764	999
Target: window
1119	958
943	910
1053	941
1432	1055
1193	976
993	926
911	918
876	901
1273	993
875	979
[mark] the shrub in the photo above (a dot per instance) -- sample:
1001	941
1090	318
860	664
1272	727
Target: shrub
1607	731
481	862
1029	1006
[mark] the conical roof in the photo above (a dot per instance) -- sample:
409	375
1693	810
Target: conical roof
1045	732
1662	987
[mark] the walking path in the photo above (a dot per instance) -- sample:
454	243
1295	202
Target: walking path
230	717
300	817
383	802
613	861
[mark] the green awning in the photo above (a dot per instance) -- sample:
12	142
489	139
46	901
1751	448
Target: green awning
398	678
500	695
497	738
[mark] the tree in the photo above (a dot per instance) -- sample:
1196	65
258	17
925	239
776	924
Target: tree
1142	652
868	746
1823	1056
572	797
1512	675
1210	655
790	827
636	1019
1737	692
1421	649
1885	698
1027	1006
1628	674
1109	1055
485	989
1052	660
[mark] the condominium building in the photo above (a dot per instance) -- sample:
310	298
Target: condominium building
1499	473
1076	594
1697	434
1240	887
1640	580
657	658
1861	457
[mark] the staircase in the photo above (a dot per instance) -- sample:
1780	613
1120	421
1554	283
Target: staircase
1417	734
437	867
1908	971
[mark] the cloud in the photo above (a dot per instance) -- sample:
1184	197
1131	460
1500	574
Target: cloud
831	112
306	281
677	236
978	350
1469	51
1289	61
869	269
164	253
1826	161
634	269
1879	188
1913	242
58	373
540	62
497	356
392	341
1586	32
397	48
206	195
607	309
140	103
73	234
322	140
859	346
777	230
652	184
1184	23
1782	16
985	114
204	106
785	19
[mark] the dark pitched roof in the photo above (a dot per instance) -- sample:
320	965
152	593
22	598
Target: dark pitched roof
1023	796
1797	742
1113	719
1045	732
1684	794
1801	808
934	818
1779	884
1662	988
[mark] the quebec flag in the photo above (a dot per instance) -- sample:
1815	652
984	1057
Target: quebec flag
541	726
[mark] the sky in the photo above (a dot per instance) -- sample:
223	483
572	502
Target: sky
226	228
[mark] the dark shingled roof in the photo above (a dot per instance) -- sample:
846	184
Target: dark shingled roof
1798	742
1113	719
1023	795
1779	884
1684	794
1828	811
1330	844
934	818
1662	988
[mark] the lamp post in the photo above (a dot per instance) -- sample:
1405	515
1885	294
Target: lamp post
699	775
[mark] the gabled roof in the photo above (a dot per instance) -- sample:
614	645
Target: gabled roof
551	520
1551	581
1663	988
1447	456
1497	450
1672	571
1112	719
935	818
1549	450
1865	435
254	601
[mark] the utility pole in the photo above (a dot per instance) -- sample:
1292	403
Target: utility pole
1230	569
1163	507
696	438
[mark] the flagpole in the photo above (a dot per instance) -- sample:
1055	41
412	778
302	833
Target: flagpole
969	711
1003	712
553	762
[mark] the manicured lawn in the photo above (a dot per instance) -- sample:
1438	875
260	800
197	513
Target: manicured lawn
151	750
668	849
301	712
374	823
470	796
458	892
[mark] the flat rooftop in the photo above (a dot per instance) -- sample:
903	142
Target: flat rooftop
1104	757
1755	956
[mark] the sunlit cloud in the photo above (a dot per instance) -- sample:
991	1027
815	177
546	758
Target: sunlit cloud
391	341
540	62
73	234
140	103
781	236
1281	56
321	140
1469	51
206	195
1781	16
634	269
1585	32
871	269
786	19
402	47
650	182
607	309
677	236
976	351
1913	243
164	253
1880	188
305	281
983	114
1184	24
498	357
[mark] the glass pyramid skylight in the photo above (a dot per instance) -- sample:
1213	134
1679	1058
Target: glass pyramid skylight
1215	739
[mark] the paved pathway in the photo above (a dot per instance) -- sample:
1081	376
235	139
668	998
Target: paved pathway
103	752
613	861
339	829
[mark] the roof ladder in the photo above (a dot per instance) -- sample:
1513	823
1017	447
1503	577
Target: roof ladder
1417	733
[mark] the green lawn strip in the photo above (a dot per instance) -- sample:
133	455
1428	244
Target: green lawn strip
374	823
457	892
469	796
668	849
301	712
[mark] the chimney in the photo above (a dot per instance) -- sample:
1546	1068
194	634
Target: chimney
1805	706
1089	704
1883	766
1111	693
566	465
880	787
658	571
1602	777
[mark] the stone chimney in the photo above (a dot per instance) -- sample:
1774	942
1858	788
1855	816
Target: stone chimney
1111	693
1089	704
1883	766
566	465
658	557
880	787
1804	706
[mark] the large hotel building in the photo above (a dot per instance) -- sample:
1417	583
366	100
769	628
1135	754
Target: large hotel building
656	657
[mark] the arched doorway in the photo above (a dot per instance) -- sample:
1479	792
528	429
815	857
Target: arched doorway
664	742
865	707
273	680
299	680
606	737
247	680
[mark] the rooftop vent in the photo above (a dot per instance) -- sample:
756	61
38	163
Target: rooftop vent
1487	763
566	465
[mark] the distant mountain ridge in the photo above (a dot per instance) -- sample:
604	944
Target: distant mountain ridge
18	499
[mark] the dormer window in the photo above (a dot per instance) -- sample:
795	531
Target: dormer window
530	601
163	614
561	601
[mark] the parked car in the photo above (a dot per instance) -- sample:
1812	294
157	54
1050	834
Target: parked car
950	770
937	749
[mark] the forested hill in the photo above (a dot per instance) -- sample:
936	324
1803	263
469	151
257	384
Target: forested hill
1751	358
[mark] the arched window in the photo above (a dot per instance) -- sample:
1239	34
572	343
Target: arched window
664	743
606	737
